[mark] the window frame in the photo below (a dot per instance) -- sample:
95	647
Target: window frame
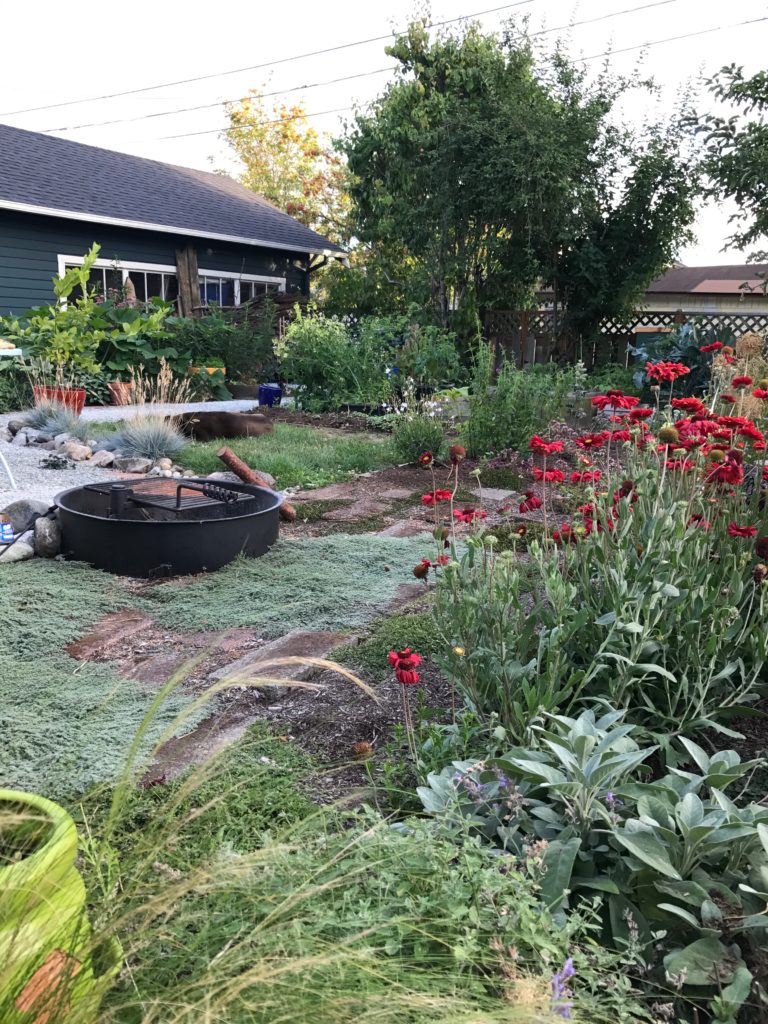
125	268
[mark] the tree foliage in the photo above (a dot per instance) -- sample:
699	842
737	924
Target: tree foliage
737	151
288	163
497	170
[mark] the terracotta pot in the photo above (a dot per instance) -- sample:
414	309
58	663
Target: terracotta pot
121	391
49	965
72	398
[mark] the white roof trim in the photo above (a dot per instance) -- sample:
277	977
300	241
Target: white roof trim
95	218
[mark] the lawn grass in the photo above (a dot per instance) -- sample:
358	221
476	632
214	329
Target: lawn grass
297	456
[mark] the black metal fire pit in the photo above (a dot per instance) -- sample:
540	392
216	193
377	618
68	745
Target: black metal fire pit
166	527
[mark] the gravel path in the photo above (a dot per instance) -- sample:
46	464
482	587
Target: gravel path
33	481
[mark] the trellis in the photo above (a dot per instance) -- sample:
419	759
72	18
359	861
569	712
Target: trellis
529	336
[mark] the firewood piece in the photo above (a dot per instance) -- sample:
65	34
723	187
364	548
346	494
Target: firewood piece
248	476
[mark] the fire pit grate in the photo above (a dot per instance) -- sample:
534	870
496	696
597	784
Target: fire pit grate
223	497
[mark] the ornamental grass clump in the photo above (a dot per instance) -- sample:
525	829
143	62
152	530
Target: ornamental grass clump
154	432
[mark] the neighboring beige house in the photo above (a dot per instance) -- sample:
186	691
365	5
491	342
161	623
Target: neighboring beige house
709	290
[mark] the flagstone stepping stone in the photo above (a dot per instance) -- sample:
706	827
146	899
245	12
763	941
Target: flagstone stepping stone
297	644
364	508
333	492
495	494
109	632
396	493
406	528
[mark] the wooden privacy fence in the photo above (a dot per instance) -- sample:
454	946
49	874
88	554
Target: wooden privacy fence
529	336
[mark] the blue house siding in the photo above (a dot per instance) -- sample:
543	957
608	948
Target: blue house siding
30	246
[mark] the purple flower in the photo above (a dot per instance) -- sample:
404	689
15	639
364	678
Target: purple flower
561	991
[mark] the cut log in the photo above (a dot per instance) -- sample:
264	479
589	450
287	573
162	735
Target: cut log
248	476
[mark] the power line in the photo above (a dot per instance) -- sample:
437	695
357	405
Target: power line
334	81
218	103
673	39
254	67
339	110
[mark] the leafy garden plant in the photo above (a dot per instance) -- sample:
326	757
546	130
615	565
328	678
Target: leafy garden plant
683	867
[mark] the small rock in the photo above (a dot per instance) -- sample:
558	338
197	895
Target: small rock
28	538
77	452
18	553
133	465
92	442
47	537
61	440
155	471
102	458
22	511
16	425
176	474
165	472
188	473
20	438
165	463
49	446
5	435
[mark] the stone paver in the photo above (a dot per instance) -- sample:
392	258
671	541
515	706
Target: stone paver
395	493
406	528
495	494
111	631
362	509
333	492
298	644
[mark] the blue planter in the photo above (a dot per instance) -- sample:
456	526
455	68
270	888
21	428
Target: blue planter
270	394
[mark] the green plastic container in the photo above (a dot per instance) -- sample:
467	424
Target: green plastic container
48	969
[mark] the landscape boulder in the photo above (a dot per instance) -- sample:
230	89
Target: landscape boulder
133	465
77	452
22	511
47	537
18	552
16	425
102	458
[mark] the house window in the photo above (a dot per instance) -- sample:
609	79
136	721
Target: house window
153	280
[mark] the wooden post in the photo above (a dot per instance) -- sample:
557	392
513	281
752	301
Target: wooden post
248	476
188	277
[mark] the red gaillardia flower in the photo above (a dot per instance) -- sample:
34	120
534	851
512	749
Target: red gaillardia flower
457	453
426	458
741	531
761	393
588	477
439	495
699	521
641	413
729	359
690	405
727	398
587	441
714	347
742	382
664	372
468	515
405	663
615	399
538	444
550	475
531	502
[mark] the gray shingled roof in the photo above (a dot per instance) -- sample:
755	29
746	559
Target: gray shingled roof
56	174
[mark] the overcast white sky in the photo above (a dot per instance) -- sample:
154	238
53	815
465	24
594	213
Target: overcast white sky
52	53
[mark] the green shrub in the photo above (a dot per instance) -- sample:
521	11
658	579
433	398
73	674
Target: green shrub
612	375
150	437
505	410
417	433
239	340
670	856
333	367
15	388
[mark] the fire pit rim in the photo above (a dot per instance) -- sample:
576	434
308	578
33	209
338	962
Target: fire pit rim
245	488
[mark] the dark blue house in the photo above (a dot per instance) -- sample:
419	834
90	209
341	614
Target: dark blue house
184	235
